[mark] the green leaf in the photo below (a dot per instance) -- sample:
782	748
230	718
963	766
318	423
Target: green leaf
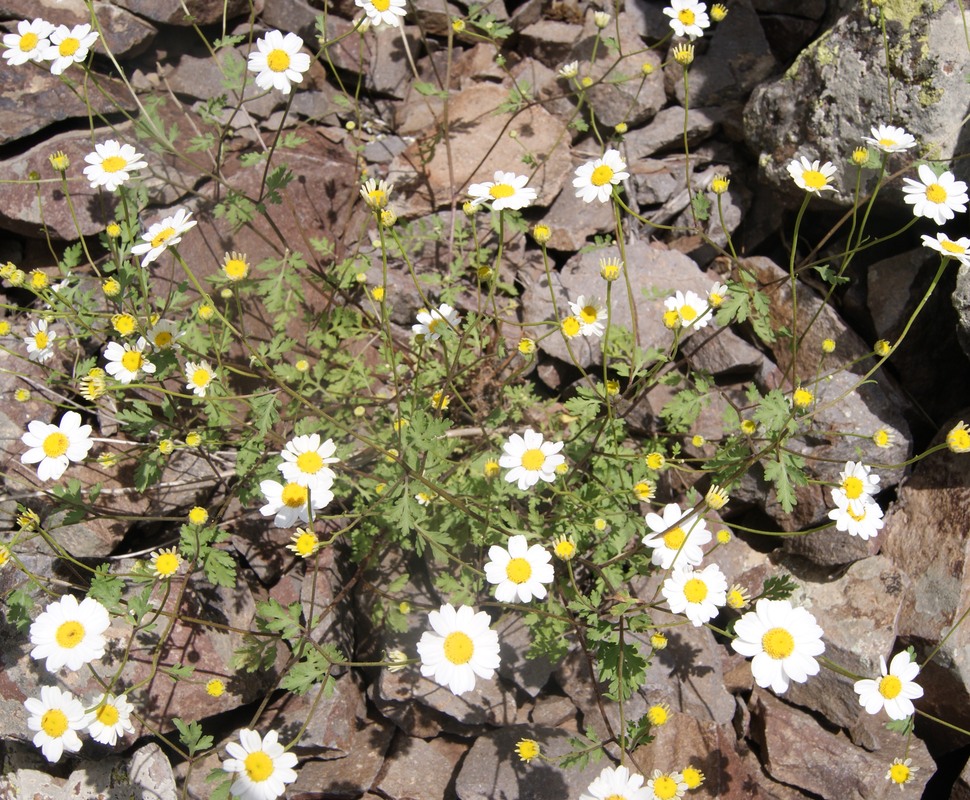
701	205
179	671
428	89
786	473
190	734
254	655
313	668
287	621
778	587
18	607
774	412
223	781
220	568
106	588
682	410
831	276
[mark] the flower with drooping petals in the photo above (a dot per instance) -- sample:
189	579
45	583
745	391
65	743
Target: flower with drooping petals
676	538
162	235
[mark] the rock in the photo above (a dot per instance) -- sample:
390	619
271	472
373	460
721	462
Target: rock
655	273
492	770
335	722
416	769
925	536
472	121
738	58
186	12
961	302
655	180
344	778
550	41
620	92
151	773
666	131
722	352
573	221
529	674
841	68
796	750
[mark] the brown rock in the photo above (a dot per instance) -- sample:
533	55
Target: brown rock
473	121
173	12
550	41
416	769
345	778
335	721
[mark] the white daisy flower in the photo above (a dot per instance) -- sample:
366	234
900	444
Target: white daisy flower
287	503
111	164
595	179
56	717
856	483
162	235
29	43
261	766
69	46
305	460
163	335
383	12
615	782
591	314
696	594
811	175
783	641
894	691
529	459
40	343
278	62
862	518
520	571
127	361
666	785
69	634
54	447
200	374
688	18
938	198
890	139
111	719
954	248
376	193
462	647
569	70
692	311
676	538
508	190
717	295
431	324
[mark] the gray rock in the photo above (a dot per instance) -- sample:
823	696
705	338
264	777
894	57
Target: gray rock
345	778
666	131
150	773
573	221
529	674
335	723
492	770
654	272
173	12
550	41
722	352
961	302
737	59
825	103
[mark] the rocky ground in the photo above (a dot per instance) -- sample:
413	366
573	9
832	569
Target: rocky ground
775	79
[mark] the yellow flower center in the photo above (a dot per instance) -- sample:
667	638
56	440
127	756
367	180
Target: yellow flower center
54	723
162	236
163	339
695	590
778	643
458	647
589	314
305	544
887	142
259	766
294	495
959	440
167	564
686	16
215	688
657	715
40	340
113	164
814	179
201	378
675	539
28	42
500	190
688	313
69	634
123	323
309	462
570	327
601	176
935	193
692	777
381	5
735	599
518	570
952	247
131	360
55	444
236	269
890	686
433	325
533	459
899	773
278	60
565	550
107	715
852	487
616	797
665	787
69	46
857	517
